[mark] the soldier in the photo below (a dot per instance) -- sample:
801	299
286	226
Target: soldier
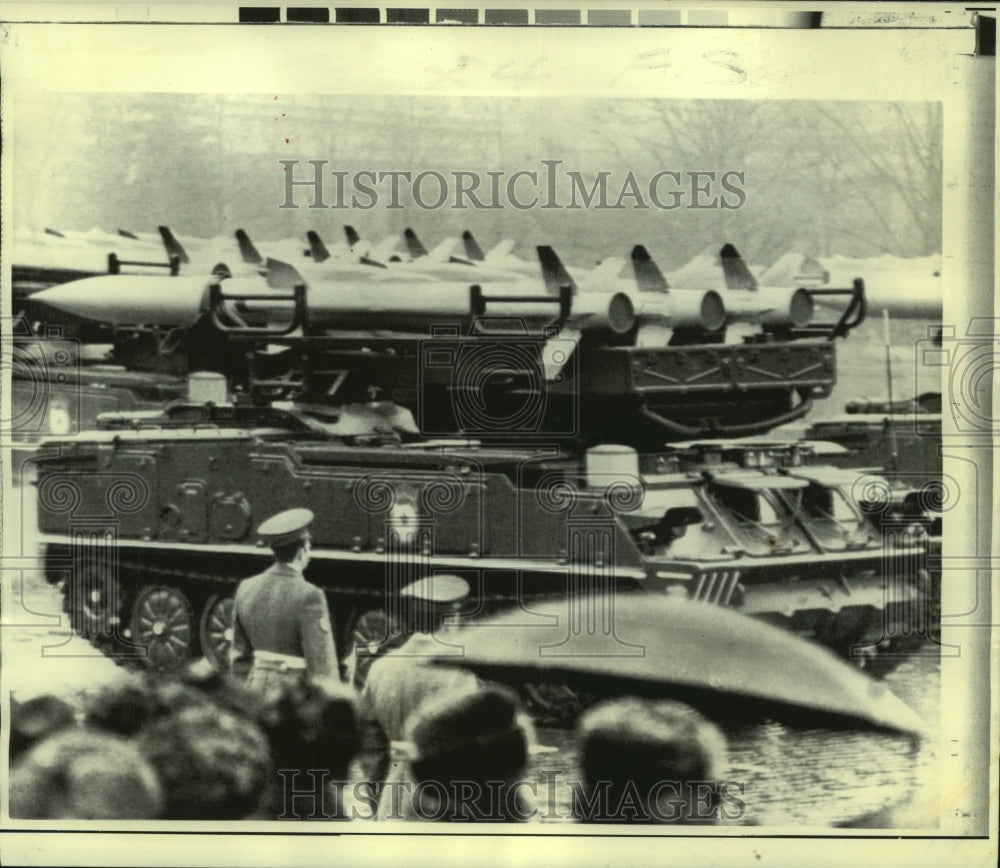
424	606
400	677
281	622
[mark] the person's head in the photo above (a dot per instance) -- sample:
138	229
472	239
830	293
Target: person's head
426	604
288	535
294	553
85	775
213	764
649	761
135	699
312	724
35	719
465	748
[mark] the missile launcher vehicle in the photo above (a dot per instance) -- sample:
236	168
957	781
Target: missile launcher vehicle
582	452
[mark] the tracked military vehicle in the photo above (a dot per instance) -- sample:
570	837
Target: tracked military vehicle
901	442
897	444
533	455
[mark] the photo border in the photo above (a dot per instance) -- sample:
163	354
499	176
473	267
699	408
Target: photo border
899	63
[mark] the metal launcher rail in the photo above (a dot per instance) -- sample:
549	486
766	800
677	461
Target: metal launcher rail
655	392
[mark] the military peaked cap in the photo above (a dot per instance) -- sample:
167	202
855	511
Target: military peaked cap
437	589
286	527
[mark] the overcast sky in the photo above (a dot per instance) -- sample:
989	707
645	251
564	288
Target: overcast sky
207	164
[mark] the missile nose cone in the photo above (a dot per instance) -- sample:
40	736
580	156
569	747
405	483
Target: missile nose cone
80	297
130	299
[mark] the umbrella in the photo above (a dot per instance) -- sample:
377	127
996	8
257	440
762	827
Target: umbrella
727	664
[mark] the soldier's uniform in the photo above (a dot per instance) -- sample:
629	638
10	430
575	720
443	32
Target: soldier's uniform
375	634
281	622
404	679
399	674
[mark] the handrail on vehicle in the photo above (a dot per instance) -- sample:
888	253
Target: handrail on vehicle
478	300
115	264
854	314
225	319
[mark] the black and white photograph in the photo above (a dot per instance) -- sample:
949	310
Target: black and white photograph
499	441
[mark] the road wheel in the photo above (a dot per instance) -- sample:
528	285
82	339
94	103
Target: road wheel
92	597
367	633
217	630
163	624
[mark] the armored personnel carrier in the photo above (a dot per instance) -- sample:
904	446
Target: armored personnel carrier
899	444
533	454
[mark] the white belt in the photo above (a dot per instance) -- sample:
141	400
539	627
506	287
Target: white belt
273	660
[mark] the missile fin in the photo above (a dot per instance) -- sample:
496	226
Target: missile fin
472	249
647	273
384	248
352	236
126	234
172	245
249	253
55	232
812	269
499	251
554	355
316	247
738	275
553	271
443	250
281	275
413	244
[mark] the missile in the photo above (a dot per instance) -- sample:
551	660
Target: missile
795	268
651	299
772	305
690	308
746	301
418	307
613	308
130	300
139	299
906	288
